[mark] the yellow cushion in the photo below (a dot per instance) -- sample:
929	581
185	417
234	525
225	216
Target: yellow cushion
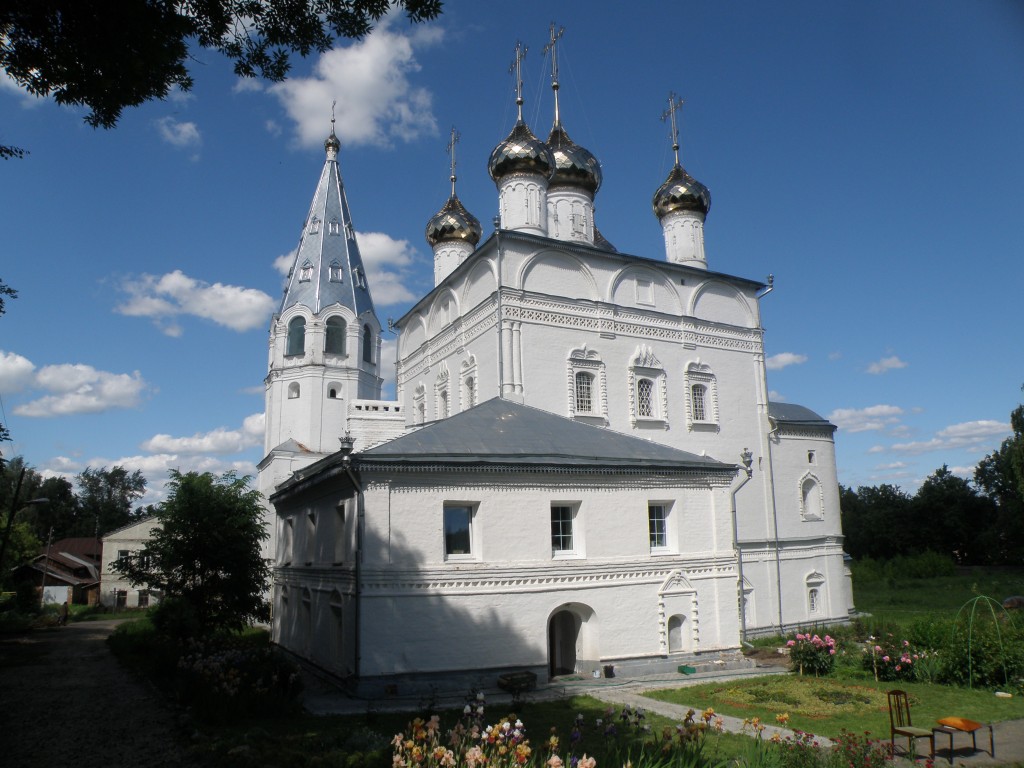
960	723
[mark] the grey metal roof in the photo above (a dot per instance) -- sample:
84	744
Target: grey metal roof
328	240
504	432
791	413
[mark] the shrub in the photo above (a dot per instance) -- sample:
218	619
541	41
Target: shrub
983	654
891	659
810	654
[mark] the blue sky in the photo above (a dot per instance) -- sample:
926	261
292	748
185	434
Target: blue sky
868	154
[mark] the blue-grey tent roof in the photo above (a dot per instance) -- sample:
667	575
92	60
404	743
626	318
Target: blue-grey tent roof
328	240
505	432
791	413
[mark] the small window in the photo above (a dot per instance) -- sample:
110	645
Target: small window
367	344
584	393
334	340
470	391
314	225
293	390
296	337
645	398
421	413
561	529
457	530
335	272
657	526
332	393
122	553
810	457
143	598
812	600
305	273
335	227
698	405
445	408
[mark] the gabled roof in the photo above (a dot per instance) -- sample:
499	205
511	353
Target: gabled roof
328	240
80	546
790	413
505	432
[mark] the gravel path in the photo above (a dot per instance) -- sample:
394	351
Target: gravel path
67	702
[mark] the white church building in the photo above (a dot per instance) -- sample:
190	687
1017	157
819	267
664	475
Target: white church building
582	471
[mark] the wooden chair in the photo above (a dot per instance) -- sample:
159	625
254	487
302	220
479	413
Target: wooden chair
900	725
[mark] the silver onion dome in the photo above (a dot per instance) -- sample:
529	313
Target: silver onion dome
332	142
453	222
521	152
575	166
681	192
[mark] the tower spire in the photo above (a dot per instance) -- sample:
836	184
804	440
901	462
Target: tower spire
516	68
674	105
552	46
455	136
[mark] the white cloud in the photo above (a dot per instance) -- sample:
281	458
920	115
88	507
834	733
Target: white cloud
971	436
386	261
9	85
776	397
886	364
273	127
16	372
835	355
220	440
284	262
893	465
783	359
82	389
874	417
369	79
387	359
179	134
168	296
248	85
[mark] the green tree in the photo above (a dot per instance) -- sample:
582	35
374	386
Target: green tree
1000	475
78	50
205	555
876	522
105	499
950	516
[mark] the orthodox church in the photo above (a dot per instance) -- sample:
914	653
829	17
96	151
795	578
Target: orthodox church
582	471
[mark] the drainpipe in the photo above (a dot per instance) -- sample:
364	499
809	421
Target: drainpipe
770	476
347	442
748	459
498	321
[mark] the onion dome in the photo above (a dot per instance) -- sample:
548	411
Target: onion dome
521	152
575	166
681	192
453	223
332	143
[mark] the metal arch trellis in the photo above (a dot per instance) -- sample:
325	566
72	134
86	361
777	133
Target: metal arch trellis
973	603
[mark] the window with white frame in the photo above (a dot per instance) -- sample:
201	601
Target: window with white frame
306	272
657	526
815	583
334	338
587	384
469	382
458	530
648	387
442	402
419	403
812	600
701	396
562	542
296	342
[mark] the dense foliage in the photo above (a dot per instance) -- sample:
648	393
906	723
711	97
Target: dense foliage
205	556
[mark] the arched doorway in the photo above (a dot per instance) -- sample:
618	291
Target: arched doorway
563	630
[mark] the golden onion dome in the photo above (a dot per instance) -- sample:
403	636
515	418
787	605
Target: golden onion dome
681	192
452	223
521	152
575	166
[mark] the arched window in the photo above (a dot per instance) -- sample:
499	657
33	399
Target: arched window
334	341
812	600
335	272
675	633
584	392
296	337
367	344
293	390
445	409
644	397
812	506
698	403
470	391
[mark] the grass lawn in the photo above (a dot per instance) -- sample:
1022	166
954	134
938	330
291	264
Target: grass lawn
825	706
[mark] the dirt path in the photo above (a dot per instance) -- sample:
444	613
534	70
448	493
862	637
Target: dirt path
67	702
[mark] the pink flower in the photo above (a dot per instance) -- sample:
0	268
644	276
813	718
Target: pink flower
791	643
586	762
554	762
831	651
885	658
878	649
